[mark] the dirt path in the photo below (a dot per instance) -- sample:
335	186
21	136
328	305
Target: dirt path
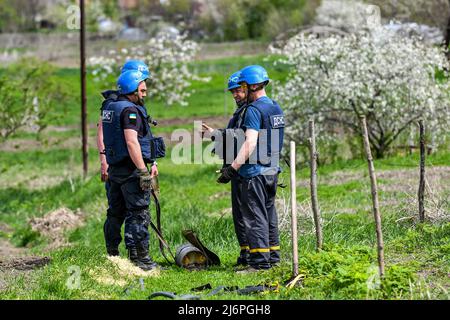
9	252
16	262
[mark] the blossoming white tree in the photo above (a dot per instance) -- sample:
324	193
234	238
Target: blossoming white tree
167	57
389	79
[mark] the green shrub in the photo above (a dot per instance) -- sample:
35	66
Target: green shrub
342	272
29	95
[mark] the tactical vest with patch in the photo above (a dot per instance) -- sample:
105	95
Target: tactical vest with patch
113	136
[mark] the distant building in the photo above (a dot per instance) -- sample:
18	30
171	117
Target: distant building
128	4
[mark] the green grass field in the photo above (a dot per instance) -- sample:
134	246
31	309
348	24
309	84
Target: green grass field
208	99
35	181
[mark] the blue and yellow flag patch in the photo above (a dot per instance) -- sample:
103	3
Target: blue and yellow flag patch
132	116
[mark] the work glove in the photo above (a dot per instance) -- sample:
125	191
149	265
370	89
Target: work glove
227	174
145	180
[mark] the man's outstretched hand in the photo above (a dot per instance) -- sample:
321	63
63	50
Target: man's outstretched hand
206	128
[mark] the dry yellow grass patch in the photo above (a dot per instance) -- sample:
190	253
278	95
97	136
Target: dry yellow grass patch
126	269
124	272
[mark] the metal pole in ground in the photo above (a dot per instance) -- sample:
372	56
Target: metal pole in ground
313	185
294	212
376	207
422	172
84	133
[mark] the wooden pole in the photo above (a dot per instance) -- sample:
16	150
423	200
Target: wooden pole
422	172
294	212
225	99
313	185
373	185
84	133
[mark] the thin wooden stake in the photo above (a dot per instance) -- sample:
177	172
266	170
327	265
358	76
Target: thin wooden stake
373	185
294	212
313	184
84	129
422	172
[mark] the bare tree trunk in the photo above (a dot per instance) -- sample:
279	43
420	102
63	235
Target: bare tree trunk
313	184
373	185
294	212
422	172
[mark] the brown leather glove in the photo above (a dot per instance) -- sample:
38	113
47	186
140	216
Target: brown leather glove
145	180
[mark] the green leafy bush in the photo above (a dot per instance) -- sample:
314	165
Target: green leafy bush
29	95
342	272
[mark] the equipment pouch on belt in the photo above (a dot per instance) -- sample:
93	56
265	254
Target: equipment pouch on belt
158	148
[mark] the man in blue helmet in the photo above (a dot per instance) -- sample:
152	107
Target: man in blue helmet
239	96
113	224
127	139
257	164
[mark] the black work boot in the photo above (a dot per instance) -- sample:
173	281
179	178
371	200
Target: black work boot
132	254
143	260
243	257
242	260
112	251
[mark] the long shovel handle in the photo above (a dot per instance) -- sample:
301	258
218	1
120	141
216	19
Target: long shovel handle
162	242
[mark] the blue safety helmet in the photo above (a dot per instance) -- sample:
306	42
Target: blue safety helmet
138	65
129	81
253	75
233	81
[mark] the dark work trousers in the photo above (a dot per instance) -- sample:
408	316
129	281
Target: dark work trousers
129	202
260	219
239	227
114	221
